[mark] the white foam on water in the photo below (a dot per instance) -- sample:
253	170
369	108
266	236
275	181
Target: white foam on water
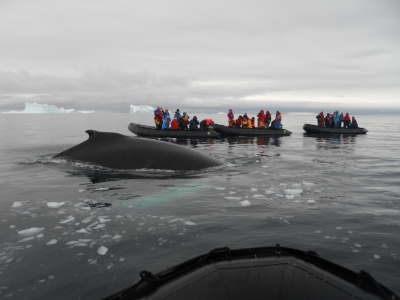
245	203
102	250
69	219
55	204
30	231
293	191
52	242
220	188
189	223
233	198
310	201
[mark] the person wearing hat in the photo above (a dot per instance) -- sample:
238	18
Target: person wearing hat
346	120
194	124
320	119
261	119
177	114
354	123
231	118
184	122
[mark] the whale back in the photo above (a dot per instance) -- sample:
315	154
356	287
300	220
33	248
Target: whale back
117	151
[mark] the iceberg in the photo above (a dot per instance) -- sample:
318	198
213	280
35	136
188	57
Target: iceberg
35	108
141	109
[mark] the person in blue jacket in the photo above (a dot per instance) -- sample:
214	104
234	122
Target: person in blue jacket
336	119
194	124
277	123
166	121
178	115
353	123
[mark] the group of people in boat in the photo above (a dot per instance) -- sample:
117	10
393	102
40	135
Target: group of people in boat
263	120
163	121
335	120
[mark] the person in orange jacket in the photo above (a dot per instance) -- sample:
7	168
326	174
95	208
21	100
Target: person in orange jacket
175	124
238	121
261	119
346	120
206	123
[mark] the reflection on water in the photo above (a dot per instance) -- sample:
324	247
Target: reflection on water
331	141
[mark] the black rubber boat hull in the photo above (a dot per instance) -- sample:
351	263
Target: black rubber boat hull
272	273
151	131
235	131
328	130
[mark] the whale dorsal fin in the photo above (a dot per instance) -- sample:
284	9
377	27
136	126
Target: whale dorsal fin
93	134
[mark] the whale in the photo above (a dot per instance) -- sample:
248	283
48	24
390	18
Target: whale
117	151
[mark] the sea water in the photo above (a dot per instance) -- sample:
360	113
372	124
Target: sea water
77	231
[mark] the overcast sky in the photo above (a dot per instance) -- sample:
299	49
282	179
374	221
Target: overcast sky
206	55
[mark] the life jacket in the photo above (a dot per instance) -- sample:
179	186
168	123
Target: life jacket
238	122
174	124
346	118
230	116
261	117
252	123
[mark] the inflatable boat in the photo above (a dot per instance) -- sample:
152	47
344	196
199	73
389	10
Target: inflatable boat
317	129
258	273
151	131
237	131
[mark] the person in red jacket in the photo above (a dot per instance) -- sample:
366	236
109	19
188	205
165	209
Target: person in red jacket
158	117
320	119
253	122
206	123
231	118
346	121
261	119
238	121
175	124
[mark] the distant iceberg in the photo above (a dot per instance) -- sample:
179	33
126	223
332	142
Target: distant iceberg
141	109
35	108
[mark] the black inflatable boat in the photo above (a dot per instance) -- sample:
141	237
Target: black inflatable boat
237	131
257	273
329	130
151	131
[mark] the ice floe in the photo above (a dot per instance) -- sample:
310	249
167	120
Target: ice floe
189	223
293	191
310	201
309	184
102	250
233	198
55	204
52	242
245	203
30	231
69	219
17	204
220	188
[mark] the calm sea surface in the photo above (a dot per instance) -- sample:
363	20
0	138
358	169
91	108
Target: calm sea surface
336	195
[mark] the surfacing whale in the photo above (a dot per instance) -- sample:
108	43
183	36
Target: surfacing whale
117	151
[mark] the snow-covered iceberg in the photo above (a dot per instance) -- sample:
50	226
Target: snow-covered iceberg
141	109
36	108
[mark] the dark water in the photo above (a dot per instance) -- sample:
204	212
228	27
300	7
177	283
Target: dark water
347	211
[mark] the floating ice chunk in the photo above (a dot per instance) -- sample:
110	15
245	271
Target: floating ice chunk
87	220
293	191
55	204
296	185
103	219
26	239
52	242
81	190
264	166
258	196
310	201
317	231
232	192
12	226
102	189
279	195
266	174
384	246
39	236
82	230
269	192
358	245
170	221
308	183
355	251
121	259
85	240
327	237
17	204
100	226
283	184
51	277
233	198
116	237
289	197
102	250
339	228
69	219
30	231
376	256
253	189
189	223
220	188
350	232
245	203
